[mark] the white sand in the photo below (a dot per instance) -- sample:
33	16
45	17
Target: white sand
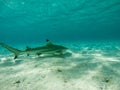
84	70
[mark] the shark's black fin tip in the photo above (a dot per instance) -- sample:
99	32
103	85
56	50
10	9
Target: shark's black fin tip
47	40
15	56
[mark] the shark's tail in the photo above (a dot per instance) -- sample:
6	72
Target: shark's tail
11	49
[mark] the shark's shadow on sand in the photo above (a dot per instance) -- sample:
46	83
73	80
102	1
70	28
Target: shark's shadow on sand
67	54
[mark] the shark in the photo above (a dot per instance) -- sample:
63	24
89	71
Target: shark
49	48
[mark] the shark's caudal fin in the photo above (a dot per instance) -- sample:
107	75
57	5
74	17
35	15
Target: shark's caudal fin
11	49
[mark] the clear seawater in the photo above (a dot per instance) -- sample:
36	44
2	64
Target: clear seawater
89	28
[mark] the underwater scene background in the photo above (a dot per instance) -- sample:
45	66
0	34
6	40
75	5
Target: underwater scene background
90	29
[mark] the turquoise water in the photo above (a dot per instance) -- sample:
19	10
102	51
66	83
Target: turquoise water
89	28
27	20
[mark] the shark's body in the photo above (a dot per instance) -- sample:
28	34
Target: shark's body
49	48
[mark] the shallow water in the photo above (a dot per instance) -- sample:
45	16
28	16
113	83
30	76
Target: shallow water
90	29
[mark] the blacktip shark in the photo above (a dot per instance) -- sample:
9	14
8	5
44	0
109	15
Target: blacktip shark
49	48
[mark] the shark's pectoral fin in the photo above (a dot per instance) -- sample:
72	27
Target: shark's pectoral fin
15	56
28	54
38	54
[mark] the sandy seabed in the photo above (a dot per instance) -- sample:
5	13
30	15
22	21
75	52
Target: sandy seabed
86	69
